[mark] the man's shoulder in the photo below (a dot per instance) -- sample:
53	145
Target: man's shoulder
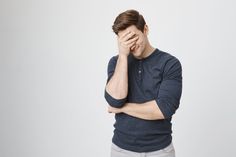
166	56
112	61
167	59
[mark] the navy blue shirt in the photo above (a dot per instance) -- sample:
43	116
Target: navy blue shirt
157	77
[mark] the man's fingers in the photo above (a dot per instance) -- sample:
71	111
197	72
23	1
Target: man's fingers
123	35
113	109
131	44
128	36
132	40
110	109
132	47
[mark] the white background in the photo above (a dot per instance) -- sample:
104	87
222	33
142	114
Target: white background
53	62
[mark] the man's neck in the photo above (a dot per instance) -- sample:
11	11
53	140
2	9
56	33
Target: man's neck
148	51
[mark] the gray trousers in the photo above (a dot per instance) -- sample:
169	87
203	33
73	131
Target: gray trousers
168	151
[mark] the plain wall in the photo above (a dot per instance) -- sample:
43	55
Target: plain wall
53	64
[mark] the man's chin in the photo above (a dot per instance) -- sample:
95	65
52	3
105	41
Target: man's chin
136	54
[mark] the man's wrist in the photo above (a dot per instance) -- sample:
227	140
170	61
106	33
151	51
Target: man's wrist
123	56
126	108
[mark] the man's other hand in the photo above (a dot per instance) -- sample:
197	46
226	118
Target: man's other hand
114	109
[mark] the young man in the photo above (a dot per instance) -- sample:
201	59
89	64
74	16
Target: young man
143	90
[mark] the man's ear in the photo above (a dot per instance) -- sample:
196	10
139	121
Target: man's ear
145	29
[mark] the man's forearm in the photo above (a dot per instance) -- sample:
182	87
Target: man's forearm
148	110
117	87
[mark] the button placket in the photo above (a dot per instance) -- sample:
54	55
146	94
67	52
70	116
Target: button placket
140	70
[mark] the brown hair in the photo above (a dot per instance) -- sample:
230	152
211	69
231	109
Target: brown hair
128	18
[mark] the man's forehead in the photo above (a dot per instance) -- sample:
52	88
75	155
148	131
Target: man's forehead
130	28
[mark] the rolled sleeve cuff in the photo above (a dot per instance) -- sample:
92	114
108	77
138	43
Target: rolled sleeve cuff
118	103
166	107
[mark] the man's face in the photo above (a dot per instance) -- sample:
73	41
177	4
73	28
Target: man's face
140	44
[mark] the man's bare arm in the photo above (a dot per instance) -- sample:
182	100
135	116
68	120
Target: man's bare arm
117	87
148	110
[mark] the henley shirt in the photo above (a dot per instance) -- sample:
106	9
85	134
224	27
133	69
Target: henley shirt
156	77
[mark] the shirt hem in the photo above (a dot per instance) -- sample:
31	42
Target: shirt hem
140	149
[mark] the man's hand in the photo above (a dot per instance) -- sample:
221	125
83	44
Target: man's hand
126	42
114	109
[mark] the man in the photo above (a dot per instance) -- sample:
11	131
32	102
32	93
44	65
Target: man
143	90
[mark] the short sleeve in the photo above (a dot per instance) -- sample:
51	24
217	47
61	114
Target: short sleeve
170	90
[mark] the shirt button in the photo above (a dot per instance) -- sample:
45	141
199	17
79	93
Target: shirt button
139	71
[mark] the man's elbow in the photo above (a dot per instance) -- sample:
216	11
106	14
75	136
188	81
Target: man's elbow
118	103
167	107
